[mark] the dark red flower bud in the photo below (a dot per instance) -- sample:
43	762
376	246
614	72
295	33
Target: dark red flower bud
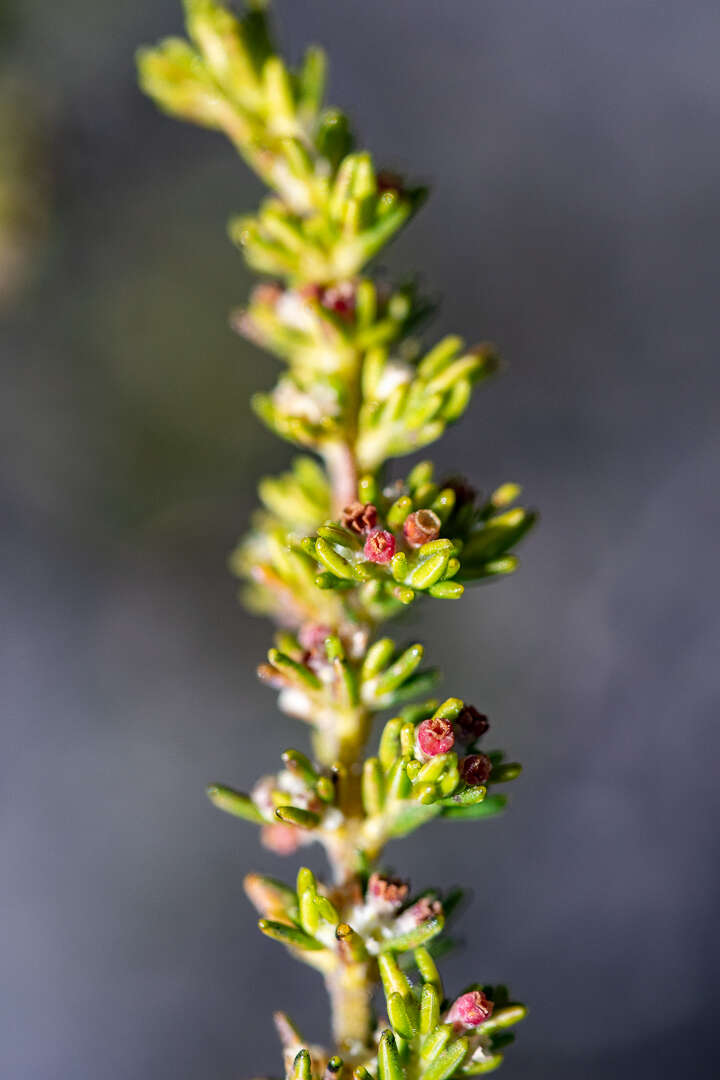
464	493
379	546
471	724
340	299
359	517
475	769
420	527
387	890
470	1010
435	736
388	181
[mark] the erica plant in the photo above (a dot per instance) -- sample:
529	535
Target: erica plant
343	545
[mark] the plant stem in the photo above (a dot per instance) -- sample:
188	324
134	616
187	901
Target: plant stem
342	470
340	737
350	988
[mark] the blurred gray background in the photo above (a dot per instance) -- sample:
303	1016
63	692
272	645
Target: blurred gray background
573	150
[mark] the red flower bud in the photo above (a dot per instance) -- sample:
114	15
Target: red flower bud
420	527
470	1010
340	299
475	769
379	546
471	724
435	736
464	493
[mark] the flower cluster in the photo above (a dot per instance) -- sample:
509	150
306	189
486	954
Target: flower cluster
428	765
339	547
418	536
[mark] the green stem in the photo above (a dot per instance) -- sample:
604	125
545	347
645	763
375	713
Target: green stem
351	988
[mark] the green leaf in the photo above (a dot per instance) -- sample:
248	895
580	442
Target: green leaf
411	939
294	815
469	796
489	807
270	895
411	816
300	765
399	672
373	784
479	1068
389	1067
299	673
446	1063
505	1017
398	1016
429	1009
292	936
234	802
510	770
302	1066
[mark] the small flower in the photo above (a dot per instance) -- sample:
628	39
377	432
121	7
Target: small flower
315	405
434	736
340	299
471	724
396	373
420	527
359	517
475	769
422	911
386	893
379	546
312	636
282	839
266	293
292	310
470	1010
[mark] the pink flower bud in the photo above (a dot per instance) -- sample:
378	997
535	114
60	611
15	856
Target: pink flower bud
282	839
420	527
266	293
387	891
434	736
475	769
423	910
379	546
470	1010
310	292
470	724
312	636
